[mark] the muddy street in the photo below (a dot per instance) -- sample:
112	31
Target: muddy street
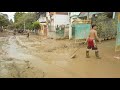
48	58
13	62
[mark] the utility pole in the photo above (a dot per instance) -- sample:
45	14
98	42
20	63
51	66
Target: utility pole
113	15
70	28
24	25
88	16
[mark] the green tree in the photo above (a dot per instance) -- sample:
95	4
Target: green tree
36	26
4	21
106	25
18	15
27	18
11	21
11	27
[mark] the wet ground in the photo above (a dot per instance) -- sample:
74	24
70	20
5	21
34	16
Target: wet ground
14	63
49	58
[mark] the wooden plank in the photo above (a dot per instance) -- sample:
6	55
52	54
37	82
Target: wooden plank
62	13
119	16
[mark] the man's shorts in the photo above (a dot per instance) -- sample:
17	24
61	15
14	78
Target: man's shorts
91	44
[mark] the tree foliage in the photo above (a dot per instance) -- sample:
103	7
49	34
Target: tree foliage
36	25
17	16
4	21
11	21
106	25
27	18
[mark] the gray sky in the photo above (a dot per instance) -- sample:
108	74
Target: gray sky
10	15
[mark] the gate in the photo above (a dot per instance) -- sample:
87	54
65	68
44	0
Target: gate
82	31
60	32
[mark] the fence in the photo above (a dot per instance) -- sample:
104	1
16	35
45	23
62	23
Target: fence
81	31
118	38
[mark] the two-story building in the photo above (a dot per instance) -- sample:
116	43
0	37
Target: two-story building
58	24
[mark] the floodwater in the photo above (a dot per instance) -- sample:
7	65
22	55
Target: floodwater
13	50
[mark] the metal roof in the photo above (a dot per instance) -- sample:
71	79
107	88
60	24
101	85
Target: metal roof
82	14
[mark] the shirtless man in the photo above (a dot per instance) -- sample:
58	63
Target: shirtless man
14	32
91	44
28	33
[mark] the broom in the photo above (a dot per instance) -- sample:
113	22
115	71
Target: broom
74	54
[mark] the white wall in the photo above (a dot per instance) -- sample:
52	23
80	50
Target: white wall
74	13
42	19
48	15
61	19
58	20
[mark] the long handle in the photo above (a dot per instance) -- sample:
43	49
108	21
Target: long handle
76	51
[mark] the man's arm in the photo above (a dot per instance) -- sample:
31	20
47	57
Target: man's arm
97	36
87	39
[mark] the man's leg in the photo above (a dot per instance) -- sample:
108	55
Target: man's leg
87	53
97	54
96	50
27	35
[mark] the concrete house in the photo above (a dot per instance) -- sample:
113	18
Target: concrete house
58	24
43	23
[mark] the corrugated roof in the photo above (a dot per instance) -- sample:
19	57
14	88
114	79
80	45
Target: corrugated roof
82	14
74	13
74	16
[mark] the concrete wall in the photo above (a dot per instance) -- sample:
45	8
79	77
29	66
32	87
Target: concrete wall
61	19
52	34
58	20
42	19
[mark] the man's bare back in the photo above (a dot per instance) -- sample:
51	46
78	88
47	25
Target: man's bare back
92	34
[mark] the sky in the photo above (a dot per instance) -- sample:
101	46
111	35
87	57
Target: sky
10	14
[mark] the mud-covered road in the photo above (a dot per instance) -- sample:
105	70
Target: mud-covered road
51	59
14	60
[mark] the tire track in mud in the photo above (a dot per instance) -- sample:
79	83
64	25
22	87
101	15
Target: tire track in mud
10	66
54	65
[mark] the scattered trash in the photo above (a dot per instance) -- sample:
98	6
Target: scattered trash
117	57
